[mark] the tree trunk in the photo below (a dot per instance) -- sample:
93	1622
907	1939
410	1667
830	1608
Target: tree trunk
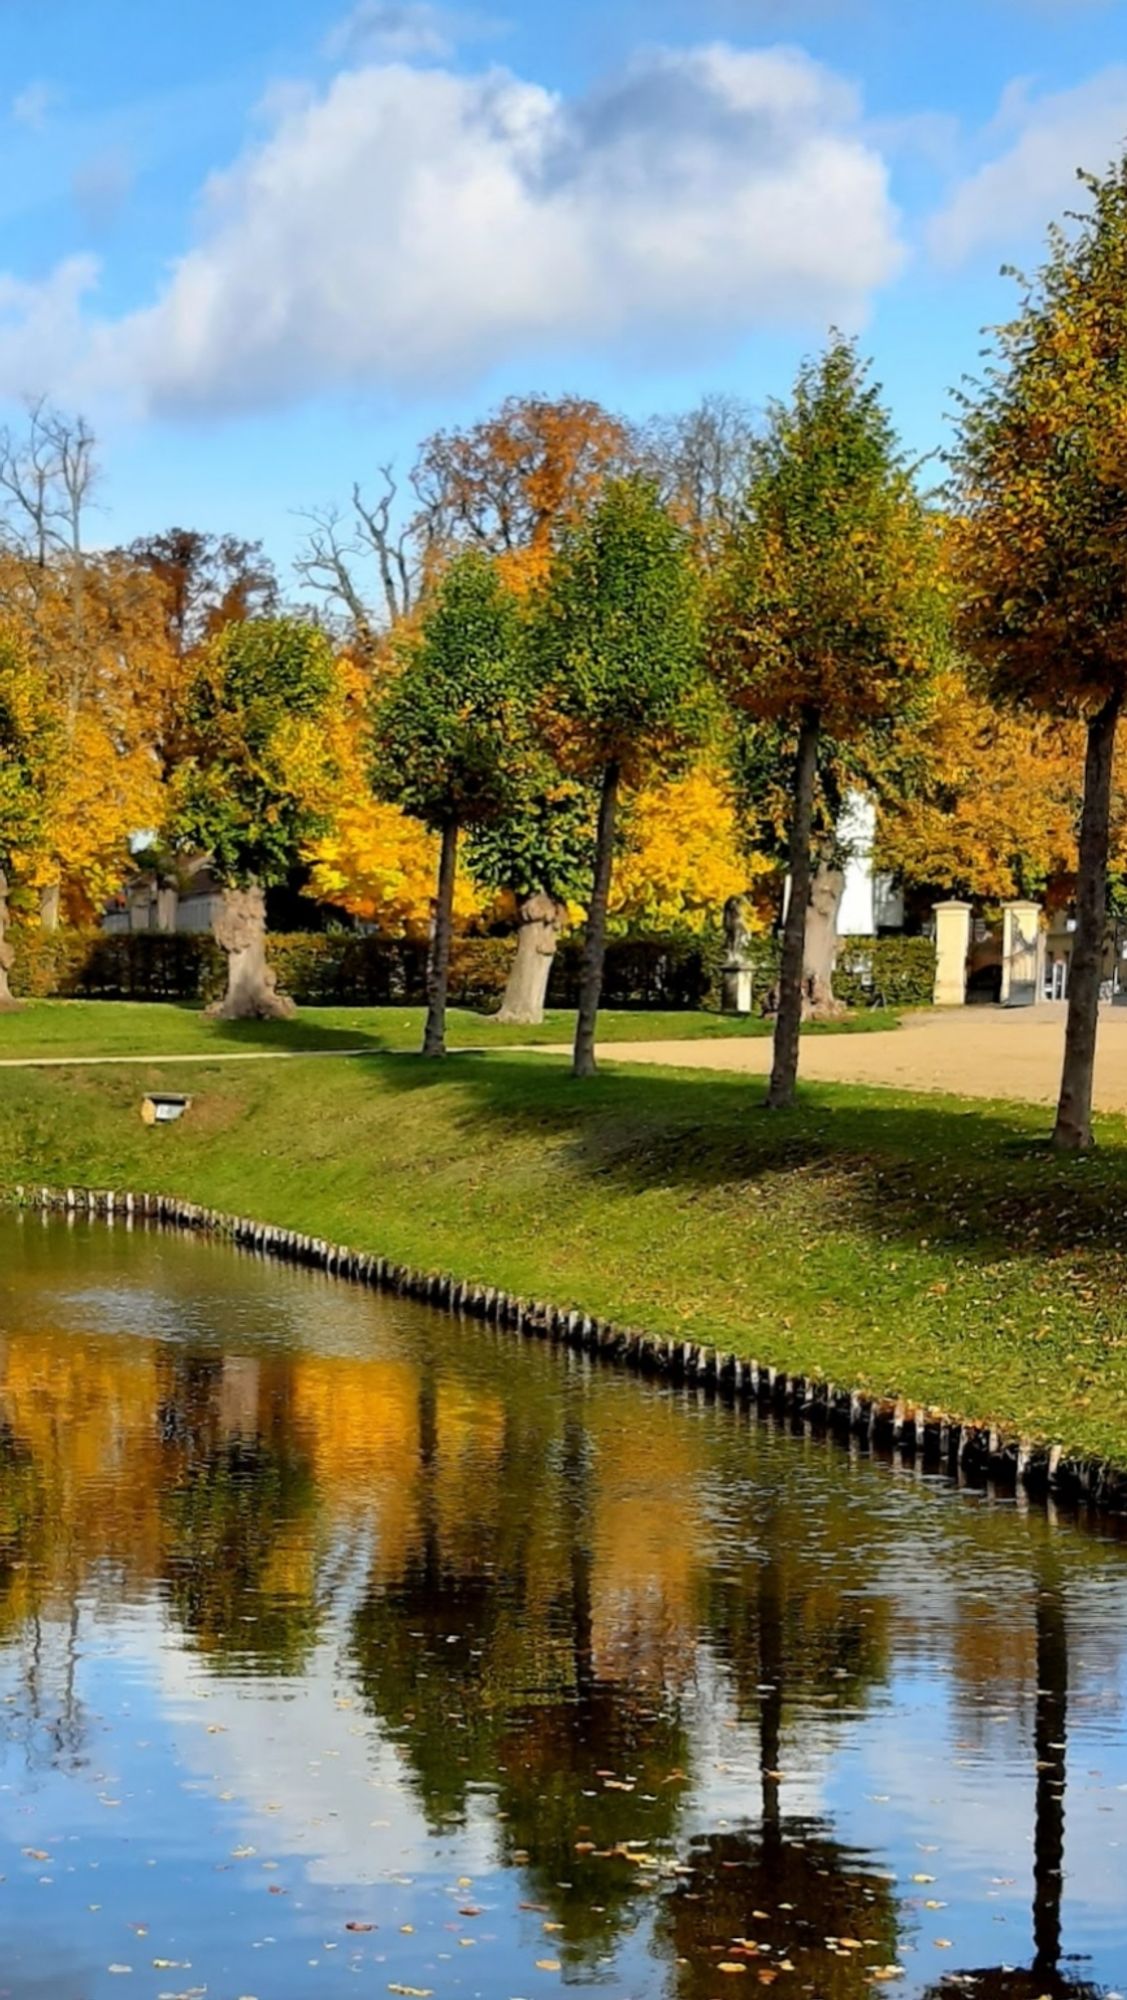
8	1000
438	968
50	899
784	1072
820	949
251	986
583	1059
541	920
1073	1130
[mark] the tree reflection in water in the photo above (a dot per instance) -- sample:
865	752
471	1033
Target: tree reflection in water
578	1613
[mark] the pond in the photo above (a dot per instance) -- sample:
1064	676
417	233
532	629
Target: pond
344	1649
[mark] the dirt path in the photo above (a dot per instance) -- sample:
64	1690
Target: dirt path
971	1051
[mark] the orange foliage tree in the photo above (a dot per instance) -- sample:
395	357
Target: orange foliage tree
1042	481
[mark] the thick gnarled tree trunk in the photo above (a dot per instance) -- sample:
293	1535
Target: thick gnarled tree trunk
1073	1130
7	998
594	948
820	949
541	921
788	1024
240	930
438	966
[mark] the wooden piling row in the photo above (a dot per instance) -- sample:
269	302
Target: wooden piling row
899	1430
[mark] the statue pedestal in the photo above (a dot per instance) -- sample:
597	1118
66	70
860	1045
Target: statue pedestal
736	988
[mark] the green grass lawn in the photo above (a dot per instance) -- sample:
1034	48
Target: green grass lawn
917	1245
122	1027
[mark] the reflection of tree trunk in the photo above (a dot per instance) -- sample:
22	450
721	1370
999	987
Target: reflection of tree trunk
826	892
769	1605
1049	1736
7	955
1073	1130
577	1502
541	918
784	1072
594	949
438	969
251	993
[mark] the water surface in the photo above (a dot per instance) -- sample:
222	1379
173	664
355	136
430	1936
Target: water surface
346	1650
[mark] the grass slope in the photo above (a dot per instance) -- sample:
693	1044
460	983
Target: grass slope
122	1027
924	1246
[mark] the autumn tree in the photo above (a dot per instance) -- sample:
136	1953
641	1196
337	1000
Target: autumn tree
208	581
115	705
374	861
989	800
825	612
28	753
255	786
450	731
682	852
511	484
616	641
1042	486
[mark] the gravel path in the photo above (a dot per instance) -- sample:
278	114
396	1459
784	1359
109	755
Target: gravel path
970	1051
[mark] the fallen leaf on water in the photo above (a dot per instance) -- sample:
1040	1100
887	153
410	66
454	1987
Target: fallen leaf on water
547	1965
355	1926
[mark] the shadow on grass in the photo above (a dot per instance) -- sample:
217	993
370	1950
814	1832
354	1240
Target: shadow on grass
940	1170
301	1034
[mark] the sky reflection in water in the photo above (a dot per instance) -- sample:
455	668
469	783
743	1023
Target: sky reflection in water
342	1649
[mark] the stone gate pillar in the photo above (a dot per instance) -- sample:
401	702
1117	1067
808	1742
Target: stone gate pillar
952	943
1023	954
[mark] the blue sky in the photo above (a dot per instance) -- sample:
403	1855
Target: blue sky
269	246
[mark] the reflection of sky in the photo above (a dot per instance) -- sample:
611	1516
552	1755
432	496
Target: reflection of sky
242	1821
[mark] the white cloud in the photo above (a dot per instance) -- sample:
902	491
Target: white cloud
1032	180
42	328
411	229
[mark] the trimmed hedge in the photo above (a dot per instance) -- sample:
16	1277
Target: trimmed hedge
885	972
674	974
345	968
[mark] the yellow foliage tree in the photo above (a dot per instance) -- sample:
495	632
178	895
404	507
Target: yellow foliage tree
376	863
996	808
683	855
114	684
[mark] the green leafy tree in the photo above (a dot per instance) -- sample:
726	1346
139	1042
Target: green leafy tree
540	854
255	787
826	611
451	734
29	744
1042	482
616	640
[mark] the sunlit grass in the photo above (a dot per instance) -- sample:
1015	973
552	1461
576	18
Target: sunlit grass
921	1245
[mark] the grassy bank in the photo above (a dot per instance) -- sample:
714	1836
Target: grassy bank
123	1027
923	1246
